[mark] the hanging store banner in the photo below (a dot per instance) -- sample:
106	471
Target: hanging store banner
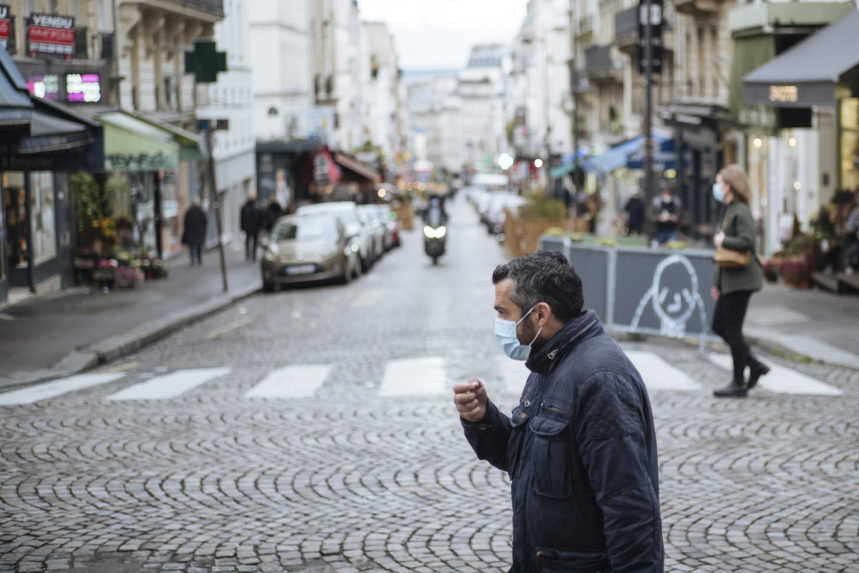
5	26
53	35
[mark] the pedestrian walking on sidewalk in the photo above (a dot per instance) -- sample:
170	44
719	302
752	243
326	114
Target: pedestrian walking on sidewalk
273	212
580	448
734	285
252	222
194	232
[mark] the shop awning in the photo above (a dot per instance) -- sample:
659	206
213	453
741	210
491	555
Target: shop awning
808	73
357	167
568	164
134	145
15	106
50	132
189	142
627	153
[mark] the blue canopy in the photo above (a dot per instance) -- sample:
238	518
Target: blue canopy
630	154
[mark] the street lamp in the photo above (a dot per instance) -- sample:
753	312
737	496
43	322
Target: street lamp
538	163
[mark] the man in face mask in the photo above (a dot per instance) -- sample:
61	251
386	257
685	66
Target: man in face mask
580	447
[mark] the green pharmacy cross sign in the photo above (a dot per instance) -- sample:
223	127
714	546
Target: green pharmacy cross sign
204	62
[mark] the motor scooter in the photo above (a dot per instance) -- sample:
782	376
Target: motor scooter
435	234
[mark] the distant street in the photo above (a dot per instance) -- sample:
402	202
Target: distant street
313	430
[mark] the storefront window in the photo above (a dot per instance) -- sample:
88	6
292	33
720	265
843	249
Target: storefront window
15	212
849	124
42	216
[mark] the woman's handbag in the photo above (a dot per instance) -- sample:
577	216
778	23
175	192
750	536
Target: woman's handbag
730	259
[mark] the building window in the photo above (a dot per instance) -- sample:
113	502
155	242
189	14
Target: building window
168	92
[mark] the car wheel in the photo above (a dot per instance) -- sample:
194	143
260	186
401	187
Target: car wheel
347	273
267	287
435	260
356	268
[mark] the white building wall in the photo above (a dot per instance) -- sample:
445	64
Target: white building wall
281	61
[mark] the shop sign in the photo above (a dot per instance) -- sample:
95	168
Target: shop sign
44	87
51	34
784	94
137	162
5	26
83	88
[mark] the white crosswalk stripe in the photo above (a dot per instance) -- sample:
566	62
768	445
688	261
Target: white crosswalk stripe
169	385
414	376
782	380
299	381
56	388
658	374
420	376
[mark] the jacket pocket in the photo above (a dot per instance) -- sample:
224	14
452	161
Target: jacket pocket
552	475
554	560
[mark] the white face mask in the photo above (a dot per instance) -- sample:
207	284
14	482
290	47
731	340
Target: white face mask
505	334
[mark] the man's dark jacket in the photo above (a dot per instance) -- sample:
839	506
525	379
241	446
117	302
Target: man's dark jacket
194	226
580	449
251	218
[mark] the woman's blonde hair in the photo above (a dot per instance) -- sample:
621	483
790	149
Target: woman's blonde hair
734	176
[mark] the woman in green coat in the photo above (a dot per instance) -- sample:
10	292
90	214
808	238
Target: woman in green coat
733	287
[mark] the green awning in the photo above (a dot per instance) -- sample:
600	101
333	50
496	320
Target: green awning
132	145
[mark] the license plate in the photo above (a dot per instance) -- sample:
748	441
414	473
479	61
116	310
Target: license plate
300	269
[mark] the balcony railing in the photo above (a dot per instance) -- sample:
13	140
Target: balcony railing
626	22
213	6
598	58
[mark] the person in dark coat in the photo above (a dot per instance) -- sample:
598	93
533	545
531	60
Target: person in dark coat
252	222
273	212
634	214
194	232
733	287
580	447
666	213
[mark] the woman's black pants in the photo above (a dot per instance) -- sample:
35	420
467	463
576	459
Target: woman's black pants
728	323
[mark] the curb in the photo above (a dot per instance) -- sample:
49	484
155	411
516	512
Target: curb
115	347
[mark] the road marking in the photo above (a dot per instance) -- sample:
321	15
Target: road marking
169	385
121	367
56	388
414	376
782	380
658	374
514	373
299	381
368	298
229	327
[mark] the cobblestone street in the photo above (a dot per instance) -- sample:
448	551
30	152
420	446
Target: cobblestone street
190	456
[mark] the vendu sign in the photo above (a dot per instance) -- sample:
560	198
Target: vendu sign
51	34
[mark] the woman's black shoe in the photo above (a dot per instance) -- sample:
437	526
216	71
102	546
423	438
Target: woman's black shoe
736	389
755	372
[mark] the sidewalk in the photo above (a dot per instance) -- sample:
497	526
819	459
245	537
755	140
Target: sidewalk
814	323
63	333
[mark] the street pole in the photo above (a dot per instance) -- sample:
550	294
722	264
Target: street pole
574	92
648	122
213	190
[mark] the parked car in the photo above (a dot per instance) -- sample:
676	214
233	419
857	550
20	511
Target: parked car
370	218
303	248
495	212
347	212
392	225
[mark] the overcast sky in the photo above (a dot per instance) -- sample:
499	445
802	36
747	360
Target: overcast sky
438	34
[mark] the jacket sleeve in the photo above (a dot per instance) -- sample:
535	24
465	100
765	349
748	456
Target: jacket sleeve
616	453
744	238
488	437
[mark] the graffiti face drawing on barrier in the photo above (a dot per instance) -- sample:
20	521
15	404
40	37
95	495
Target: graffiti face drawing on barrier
673	295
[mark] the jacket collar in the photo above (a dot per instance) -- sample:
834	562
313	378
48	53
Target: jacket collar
562	342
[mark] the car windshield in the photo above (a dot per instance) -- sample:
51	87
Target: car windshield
309	229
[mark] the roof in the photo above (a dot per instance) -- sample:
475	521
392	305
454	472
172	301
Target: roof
807	73
15	105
